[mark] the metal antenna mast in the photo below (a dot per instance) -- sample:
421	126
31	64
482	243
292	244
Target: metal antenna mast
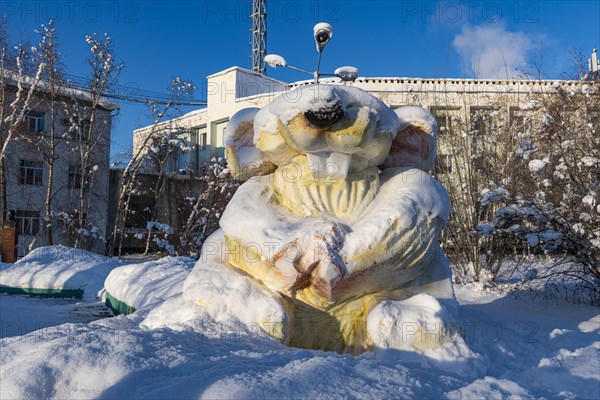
259	36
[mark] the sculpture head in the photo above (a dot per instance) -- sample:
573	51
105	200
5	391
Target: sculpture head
338	129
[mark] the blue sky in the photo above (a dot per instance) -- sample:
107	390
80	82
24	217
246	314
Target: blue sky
159	40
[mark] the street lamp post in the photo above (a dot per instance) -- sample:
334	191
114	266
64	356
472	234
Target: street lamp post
322	33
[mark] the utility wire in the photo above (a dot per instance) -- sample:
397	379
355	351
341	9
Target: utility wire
124	93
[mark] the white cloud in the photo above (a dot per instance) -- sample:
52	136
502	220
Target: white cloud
492	51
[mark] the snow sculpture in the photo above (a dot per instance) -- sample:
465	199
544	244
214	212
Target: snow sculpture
337	216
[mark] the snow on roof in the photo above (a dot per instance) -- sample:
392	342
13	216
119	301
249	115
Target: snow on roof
245	71
471	83
194	112
400	79
12	79
173	120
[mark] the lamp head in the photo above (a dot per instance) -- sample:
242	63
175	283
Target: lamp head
322	33
347	74
275	60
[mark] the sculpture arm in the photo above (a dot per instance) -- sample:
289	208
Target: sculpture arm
282	250
252	220
402	225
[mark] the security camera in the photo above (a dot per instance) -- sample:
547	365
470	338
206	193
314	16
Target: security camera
322	32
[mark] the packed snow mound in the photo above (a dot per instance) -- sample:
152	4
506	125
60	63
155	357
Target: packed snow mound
59	267
421	330
490	388
228	297
143	285
533	351
184	365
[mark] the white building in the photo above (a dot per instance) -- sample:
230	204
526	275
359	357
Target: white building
236	88
227	92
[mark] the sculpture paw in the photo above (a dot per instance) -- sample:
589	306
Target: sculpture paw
312	260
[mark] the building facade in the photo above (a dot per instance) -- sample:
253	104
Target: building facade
448	99
57	143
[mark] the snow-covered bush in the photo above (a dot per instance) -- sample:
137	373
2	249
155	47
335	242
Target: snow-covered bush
556	206
526	186
181	210
203	212
156	150
480	148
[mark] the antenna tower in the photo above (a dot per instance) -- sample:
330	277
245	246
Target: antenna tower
258	42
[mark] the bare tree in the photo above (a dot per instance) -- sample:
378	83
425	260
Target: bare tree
88	128
578	65
179	89
18	87
479	147
163	151
216	189
51	93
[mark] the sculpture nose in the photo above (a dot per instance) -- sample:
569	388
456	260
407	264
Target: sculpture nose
326	116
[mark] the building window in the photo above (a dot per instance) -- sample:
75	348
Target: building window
80	131
200	138
518	119
443	164
27	222
446	118
31	172
202	142
74	176
36	122
84	128
217	138
140	212
484	120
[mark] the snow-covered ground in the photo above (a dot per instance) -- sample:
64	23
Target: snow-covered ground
59	268
516	348
20	315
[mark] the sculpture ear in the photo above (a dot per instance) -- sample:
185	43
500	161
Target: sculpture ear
244	160
415	141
